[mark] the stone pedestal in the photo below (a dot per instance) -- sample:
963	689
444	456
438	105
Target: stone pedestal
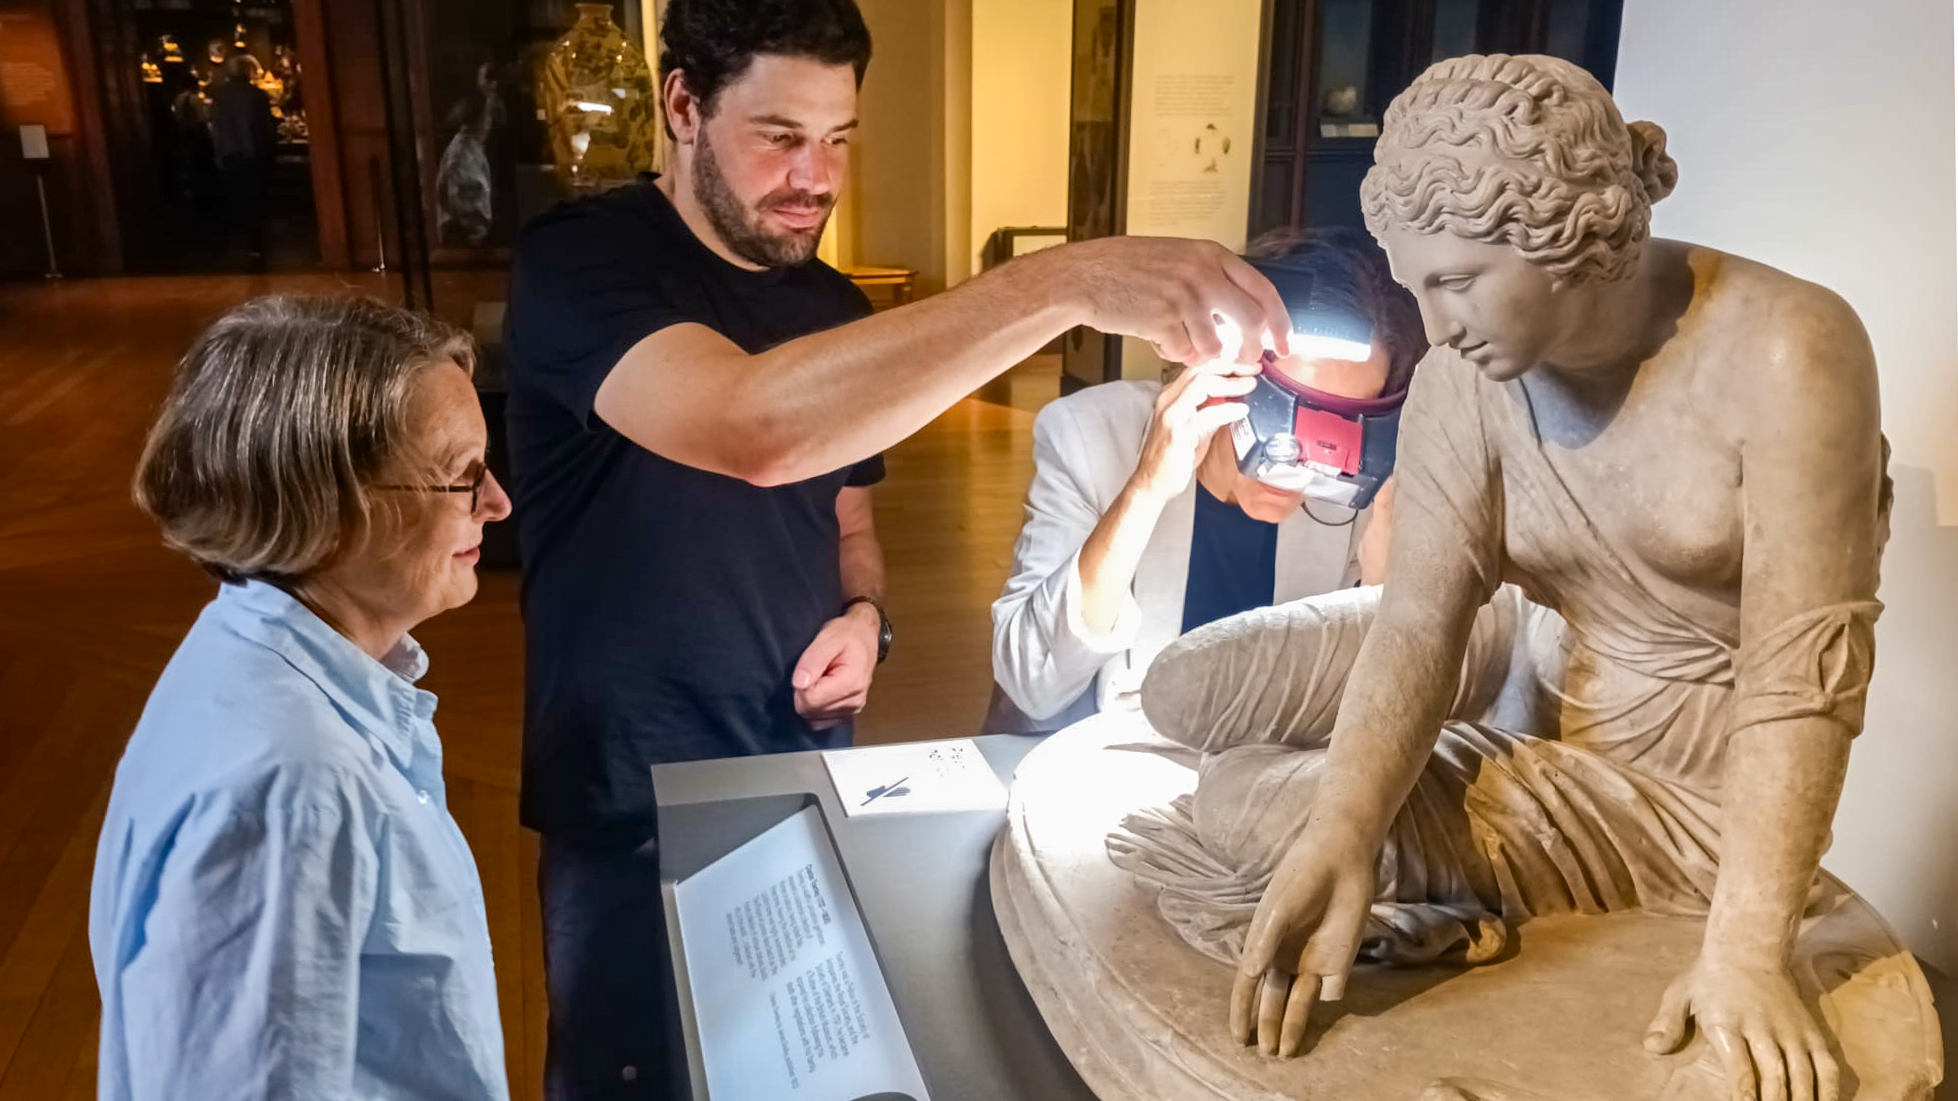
1559	1018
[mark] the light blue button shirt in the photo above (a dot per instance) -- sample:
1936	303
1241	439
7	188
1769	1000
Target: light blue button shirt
283	906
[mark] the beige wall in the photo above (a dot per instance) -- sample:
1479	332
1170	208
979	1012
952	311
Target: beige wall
1020	74
1193	115
1823	143
911	177
957	94
964	130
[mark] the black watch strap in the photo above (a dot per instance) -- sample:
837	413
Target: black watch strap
883	624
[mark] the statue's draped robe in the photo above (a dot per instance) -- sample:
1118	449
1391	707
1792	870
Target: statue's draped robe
1580	768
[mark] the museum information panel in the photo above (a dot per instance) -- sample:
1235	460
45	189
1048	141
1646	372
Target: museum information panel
787	993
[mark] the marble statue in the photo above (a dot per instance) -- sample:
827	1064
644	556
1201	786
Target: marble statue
1617	669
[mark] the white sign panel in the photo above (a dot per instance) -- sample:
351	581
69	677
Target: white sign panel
910	779
1193	120
34	143
787	995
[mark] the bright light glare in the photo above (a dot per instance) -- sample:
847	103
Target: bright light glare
1313	346
595	108
1230	335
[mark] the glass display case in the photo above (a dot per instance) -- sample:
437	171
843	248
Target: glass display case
497	109
596	100
1341	92
1333	66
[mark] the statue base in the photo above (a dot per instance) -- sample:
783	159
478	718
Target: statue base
1560	1017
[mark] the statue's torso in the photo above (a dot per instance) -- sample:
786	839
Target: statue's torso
1654	460
1623	508
1660	481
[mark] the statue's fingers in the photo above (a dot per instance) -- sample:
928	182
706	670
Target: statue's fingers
1668	1028
1271	926
1770	1067
1332	987
1271	1009
1333	946
1801	1071
1828	1076
1735	1063
1298	1013
1244	1007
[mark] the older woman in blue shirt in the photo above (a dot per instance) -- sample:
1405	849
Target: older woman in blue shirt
283	906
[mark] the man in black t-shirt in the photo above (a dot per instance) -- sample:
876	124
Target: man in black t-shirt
669	607
696	409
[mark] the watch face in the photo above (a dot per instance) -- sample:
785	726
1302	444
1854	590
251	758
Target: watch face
883	639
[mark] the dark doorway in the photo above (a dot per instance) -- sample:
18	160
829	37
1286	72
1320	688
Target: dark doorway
208	134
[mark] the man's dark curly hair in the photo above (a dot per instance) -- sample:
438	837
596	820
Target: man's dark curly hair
1348	262
712	42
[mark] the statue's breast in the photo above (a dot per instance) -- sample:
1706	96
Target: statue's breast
1655	485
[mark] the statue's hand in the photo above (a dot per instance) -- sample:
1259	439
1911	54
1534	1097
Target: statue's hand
1769	1046
1304	937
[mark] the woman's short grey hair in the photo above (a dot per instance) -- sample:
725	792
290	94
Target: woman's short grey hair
262	461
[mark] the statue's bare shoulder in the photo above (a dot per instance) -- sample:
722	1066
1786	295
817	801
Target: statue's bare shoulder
1786	347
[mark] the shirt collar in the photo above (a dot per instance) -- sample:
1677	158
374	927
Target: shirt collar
378	697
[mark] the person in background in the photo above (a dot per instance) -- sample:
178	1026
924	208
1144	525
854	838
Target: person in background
193	169
243	136
1140	526
283	906
697	406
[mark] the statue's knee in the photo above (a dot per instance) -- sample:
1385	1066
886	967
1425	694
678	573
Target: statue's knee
1253	671
1173	693
1252	801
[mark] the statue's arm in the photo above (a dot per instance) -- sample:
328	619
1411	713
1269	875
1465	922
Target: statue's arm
1401	686
1443	564
1811	487
1811	480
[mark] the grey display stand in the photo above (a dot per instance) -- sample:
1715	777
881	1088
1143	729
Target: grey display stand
920	883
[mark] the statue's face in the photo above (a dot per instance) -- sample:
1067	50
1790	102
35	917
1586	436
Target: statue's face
1501	312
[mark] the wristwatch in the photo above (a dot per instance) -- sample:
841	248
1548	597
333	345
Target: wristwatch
883	624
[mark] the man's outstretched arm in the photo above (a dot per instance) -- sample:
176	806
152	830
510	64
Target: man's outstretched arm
826	400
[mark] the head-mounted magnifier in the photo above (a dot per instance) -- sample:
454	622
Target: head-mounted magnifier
1296	438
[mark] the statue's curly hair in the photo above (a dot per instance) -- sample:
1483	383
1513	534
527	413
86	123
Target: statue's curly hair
1570	185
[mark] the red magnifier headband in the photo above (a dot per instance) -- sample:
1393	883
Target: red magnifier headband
1331	403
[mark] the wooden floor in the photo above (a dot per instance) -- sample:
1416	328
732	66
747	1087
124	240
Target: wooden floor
91	607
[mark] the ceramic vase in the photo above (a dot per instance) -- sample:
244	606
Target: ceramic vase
599	105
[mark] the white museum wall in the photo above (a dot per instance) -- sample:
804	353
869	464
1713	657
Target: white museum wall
1819	137
1193	120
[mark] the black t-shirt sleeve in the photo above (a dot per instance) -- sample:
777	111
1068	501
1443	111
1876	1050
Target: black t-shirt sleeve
580	297
866	473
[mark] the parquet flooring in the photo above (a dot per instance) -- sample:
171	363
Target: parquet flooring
91	607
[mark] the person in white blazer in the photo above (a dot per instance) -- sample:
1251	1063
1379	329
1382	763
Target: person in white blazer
1124	475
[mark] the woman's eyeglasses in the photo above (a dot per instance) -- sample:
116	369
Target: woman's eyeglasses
478	475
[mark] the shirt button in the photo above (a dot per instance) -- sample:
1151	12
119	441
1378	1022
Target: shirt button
423	796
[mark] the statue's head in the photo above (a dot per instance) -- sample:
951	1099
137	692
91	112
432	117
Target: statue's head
1500	183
